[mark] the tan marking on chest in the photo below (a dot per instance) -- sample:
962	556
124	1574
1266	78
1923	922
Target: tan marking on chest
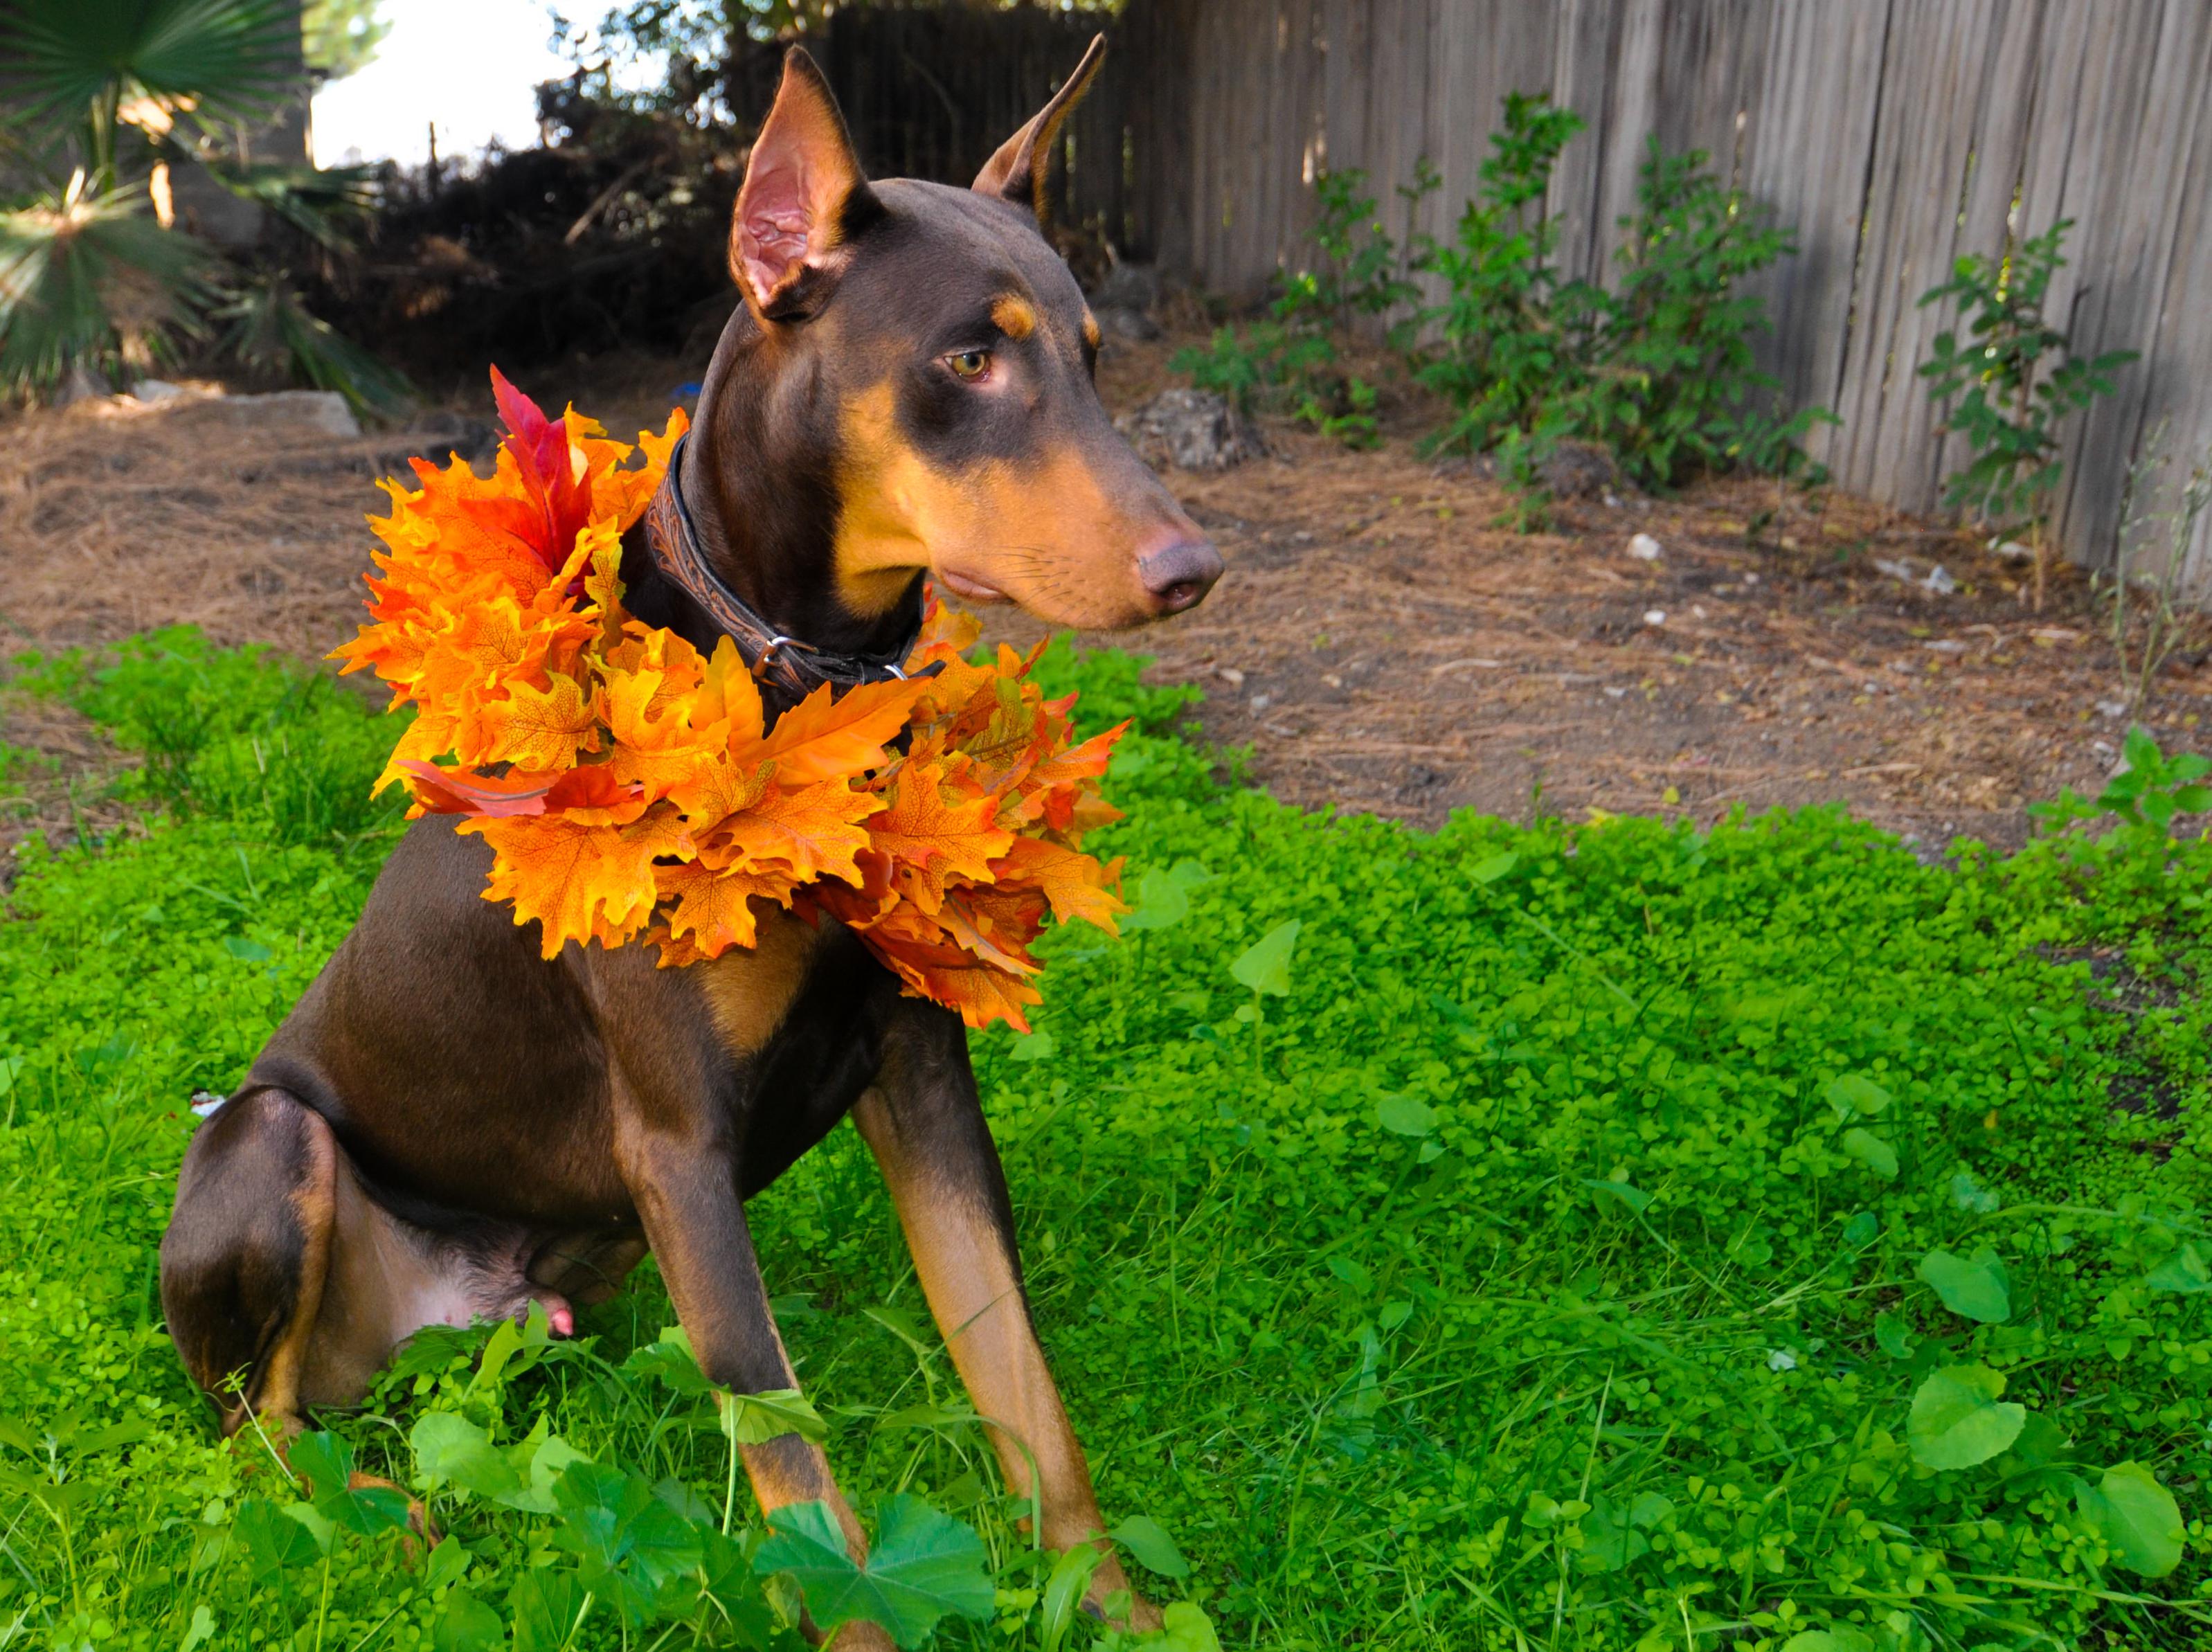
750	989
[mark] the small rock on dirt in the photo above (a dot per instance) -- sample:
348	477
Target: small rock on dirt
1579	469
293	412
1124	302
1190	429
1643	548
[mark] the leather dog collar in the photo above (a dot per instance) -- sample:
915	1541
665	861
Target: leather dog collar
784	662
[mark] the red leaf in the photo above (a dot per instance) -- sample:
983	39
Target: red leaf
457	792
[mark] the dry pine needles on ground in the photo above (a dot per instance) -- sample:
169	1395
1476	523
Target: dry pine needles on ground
1378	643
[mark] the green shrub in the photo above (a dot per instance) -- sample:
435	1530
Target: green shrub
1619	1236
1512	338
1288	363
1658	369
2008	399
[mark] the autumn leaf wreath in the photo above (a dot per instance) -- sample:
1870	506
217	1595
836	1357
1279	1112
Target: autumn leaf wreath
631	787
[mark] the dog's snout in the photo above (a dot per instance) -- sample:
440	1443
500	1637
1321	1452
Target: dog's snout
1179	574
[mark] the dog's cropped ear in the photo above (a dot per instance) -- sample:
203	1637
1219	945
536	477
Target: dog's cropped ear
1017	172
803	198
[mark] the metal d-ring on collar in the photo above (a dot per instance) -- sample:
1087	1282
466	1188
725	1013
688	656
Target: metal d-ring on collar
773	657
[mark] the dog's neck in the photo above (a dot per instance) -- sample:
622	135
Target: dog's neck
763	498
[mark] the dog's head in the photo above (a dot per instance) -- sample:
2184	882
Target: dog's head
917	365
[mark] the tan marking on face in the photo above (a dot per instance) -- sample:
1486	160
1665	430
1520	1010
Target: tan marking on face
749	989
1090	333
1041	530
1013	316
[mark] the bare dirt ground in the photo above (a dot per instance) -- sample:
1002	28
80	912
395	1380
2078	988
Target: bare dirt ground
1378	643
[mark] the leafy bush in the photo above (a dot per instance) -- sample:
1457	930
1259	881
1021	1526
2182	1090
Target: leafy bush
1513	338
1615	1236
1288	363
1659	368
2008	399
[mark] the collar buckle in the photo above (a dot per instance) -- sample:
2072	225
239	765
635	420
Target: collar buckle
773	657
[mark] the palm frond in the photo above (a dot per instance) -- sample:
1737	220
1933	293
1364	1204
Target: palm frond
89	276
329	206
224	59
271	331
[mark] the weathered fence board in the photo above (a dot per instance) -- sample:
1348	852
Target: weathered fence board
1893	135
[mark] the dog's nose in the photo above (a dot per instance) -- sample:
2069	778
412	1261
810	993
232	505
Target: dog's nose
1179	575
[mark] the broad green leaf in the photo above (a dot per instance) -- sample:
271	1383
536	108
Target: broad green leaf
447	1563
756	1419
544	1608
1038	1045
1497	866
1351	1273
1163	902
550	1459
273	1544
669	1360
450	1448
2137	1517
1635	1198
1265	966
2184	1271
1871	1151
1186	1628
1150	1545
365	1509
312	1521
1975	1286
323	1460
923	1566
1957	1420
1406	1115
1863	1229
629	1543
465	1624
1853	1095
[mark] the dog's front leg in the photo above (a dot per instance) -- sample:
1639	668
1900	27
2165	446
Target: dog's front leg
924	1121
686	1192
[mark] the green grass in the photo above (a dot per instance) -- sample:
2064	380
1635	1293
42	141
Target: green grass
1564	1238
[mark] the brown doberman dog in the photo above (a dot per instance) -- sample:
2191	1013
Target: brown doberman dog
447	1127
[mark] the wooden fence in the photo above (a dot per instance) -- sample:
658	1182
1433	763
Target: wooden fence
930	93
1892	134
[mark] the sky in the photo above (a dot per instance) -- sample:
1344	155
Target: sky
470	66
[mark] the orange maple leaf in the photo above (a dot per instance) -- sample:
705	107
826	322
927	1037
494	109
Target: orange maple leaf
712	910
574	881
813	832
931	838
831	736
1076	885
536	728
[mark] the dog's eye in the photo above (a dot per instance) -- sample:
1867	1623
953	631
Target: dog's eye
970	365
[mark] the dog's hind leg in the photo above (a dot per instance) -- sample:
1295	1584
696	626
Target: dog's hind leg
247	1253
924	1122
247	1266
